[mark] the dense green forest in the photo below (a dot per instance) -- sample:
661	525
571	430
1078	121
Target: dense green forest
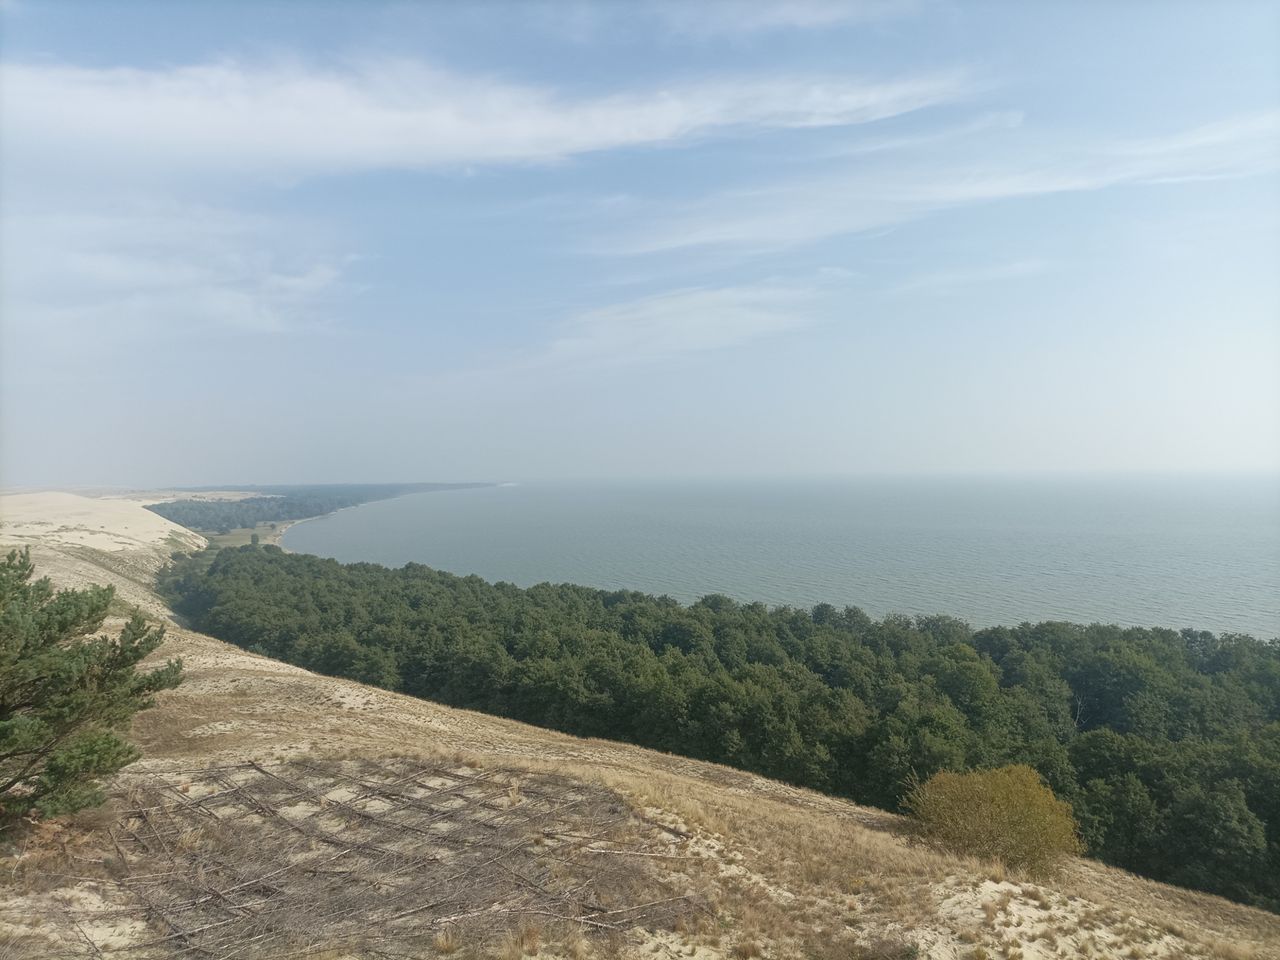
1165	743
283	503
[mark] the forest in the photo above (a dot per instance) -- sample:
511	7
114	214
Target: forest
1165	743
277	504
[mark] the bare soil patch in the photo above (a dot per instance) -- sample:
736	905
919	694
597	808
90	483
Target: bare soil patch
386	859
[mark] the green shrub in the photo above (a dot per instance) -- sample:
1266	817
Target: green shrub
1007	814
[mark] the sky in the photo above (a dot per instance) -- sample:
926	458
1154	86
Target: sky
283	242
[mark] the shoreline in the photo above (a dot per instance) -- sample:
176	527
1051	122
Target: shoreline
277	536
276	539
272	532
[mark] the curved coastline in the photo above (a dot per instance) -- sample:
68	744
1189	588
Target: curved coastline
277	537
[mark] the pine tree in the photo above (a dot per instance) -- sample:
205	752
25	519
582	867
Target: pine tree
65	694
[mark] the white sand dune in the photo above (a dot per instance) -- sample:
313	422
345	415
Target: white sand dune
80	540
67	519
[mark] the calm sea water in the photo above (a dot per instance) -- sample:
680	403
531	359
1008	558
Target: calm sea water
1155	552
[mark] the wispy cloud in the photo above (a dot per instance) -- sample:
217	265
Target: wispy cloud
736	17
864	145
585	21
948	281
682	321
870	196
645	331
1236	146
150	261
237	119
162	270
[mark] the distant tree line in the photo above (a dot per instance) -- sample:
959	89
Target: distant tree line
280	504
1165	743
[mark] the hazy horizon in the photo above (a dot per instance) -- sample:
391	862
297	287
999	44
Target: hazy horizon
319	242
981	476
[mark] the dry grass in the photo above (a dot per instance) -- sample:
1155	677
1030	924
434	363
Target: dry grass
446	941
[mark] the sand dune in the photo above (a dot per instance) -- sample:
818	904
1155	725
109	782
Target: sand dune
66	519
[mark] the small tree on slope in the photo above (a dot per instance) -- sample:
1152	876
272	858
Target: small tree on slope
66	695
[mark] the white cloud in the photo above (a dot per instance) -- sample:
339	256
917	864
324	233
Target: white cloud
871	196
100	159
158	270
289	120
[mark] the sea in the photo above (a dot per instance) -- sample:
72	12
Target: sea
1200	552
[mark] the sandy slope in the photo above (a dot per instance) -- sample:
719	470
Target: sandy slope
111	525
78	540
782	871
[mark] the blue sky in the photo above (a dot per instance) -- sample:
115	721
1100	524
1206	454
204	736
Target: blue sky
298	241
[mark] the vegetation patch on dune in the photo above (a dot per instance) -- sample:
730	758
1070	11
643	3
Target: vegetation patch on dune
1006	814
